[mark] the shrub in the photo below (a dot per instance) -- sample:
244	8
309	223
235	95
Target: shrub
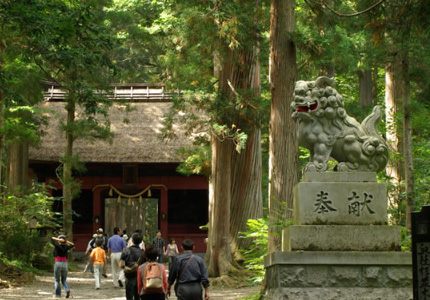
254	256
21	217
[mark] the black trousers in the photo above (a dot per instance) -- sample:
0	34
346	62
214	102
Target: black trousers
190	291
153	296
131	292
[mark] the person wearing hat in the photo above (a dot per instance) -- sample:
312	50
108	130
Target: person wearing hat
61	268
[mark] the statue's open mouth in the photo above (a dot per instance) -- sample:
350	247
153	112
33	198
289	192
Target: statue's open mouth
307	108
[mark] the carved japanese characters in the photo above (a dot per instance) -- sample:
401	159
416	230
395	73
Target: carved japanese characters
324	127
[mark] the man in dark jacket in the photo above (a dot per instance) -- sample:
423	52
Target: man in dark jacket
190	273
130	256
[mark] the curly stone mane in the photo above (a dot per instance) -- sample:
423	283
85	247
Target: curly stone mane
325	128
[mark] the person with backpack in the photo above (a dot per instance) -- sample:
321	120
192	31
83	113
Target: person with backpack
151	277
89	267
100	235
190	273
61	268
131	258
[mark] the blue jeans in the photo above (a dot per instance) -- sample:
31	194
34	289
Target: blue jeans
160	258
60	272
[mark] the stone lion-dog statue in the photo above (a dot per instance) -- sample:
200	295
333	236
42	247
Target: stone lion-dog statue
324	127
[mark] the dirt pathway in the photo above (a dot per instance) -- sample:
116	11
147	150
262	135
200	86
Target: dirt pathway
82	287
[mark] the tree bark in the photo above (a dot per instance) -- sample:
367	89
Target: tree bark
375	84
16	166
365	88
13	167
283	152
394	96
68	181
407	145
220	261
2	104
247	200
237	71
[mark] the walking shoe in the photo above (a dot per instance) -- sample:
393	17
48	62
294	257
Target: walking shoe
68	294
120	283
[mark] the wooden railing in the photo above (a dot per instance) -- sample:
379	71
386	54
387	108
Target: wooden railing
130	92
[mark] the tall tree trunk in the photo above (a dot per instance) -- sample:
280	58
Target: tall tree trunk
16	166
407	145
68	181
365	88
2	104
375	84
13	167
394	95
283	152
247	200
220	261
237	71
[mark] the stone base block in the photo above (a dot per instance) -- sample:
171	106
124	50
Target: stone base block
339	294
341	238
339	275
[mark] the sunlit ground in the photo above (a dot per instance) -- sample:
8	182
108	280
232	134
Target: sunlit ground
83	287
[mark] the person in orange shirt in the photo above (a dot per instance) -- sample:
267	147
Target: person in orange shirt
98	258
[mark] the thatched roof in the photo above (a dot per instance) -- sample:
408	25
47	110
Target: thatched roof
134	142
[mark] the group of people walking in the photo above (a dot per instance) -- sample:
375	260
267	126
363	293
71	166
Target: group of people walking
141	267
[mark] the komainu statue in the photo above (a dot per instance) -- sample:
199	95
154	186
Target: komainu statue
324	127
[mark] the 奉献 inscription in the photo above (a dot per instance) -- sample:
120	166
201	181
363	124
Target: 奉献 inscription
356	207
323	204
347	203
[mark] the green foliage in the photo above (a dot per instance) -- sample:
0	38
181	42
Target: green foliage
196	161
256	296
406	239
18	240
254	256
233	133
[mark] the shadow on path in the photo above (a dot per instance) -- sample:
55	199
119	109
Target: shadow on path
82	287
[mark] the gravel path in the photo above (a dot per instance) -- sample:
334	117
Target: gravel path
82	287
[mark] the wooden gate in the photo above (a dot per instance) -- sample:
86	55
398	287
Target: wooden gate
132	214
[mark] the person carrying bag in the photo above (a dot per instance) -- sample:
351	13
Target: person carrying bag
151	277
130	260
190	274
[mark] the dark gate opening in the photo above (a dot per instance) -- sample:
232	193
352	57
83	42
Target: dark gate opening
187	210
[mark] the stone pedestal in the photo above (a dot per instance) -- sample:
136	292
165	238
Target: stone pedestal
340	246
339	275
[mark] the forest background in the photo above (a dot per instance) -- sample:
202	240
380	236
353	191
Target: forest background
236	63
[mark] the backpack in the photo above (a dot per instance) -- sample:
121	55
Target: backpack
152	278
93	242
